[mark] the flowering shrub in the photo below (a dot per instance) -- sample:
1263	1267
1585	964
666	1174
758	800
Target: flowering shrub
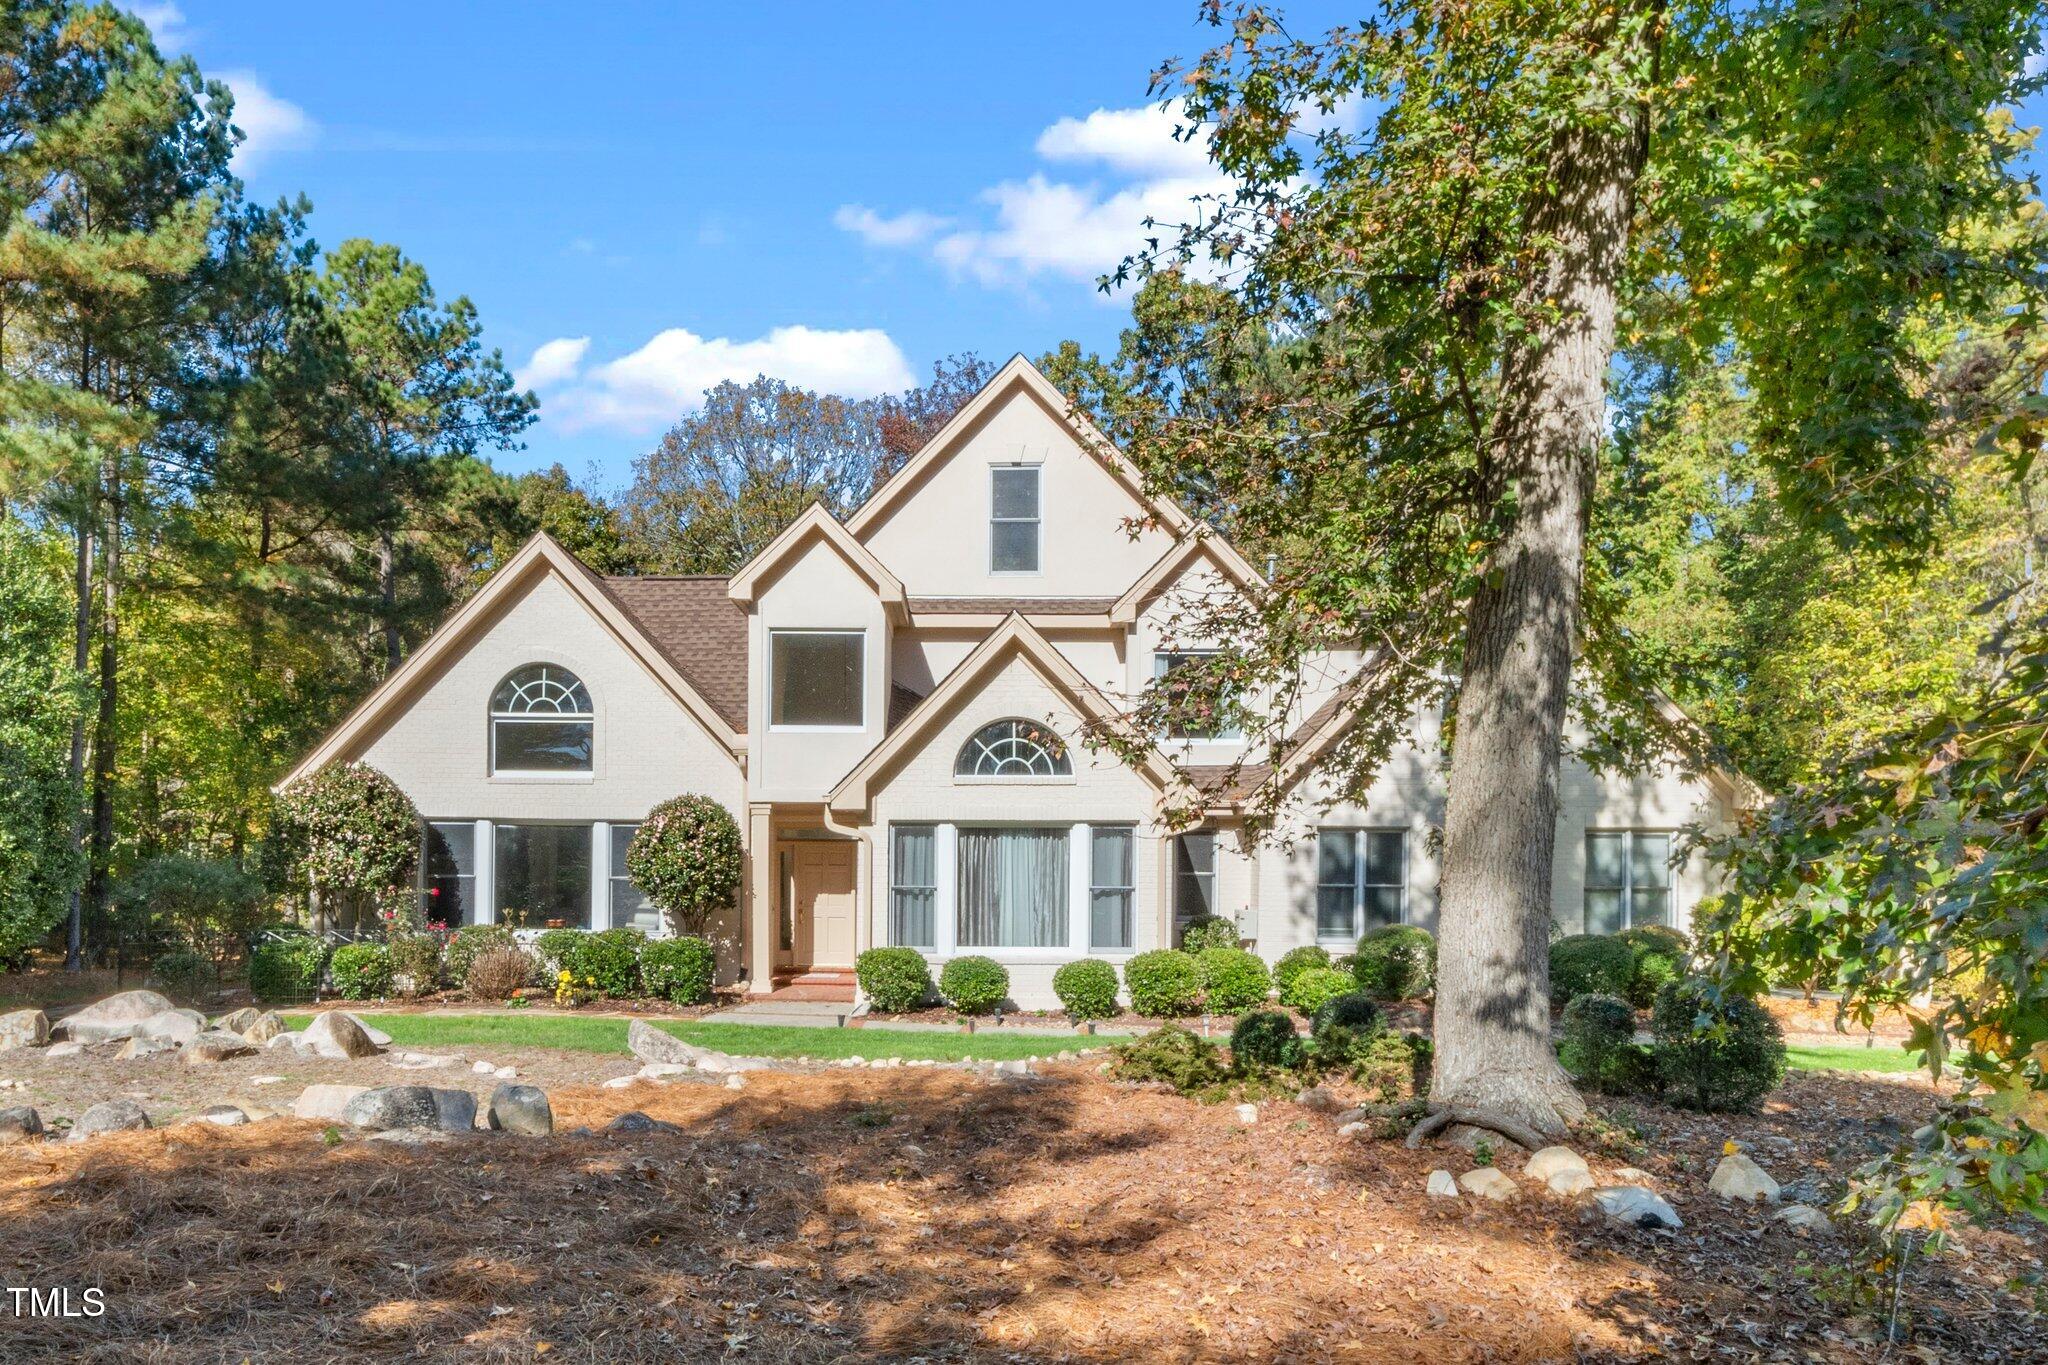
678	969
362	971
686	857
415	961
352	831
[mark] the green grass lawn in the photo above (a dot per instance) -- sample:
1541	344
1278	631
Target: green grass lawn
1883	1057
570	1032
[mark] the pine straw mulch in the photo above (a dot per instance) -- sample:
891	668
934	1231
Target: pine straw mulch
938	1215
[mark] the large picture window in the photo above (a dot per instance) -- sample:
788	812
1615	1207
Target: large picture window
448	867
1361	880
1013	519
1013	748
1628	879
1012	888
913	886
541	722
1194	879
630	907
1111	888
543	876
814	679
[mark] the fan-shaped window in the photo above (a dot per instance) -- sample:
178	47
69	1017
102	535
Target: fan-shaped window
541	722
1013	748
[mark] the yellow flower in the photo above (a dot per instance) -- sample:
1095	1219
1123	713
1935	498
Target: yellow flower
565	977
1729	1148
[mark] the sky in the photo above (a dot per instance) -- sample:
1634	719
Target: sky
645	199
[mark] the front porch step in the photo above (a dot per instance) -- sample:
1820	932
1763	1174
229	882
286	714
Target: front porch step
777	1010
833	985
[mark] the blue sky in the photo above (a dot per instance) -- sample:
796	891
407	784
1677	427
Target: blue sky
645	198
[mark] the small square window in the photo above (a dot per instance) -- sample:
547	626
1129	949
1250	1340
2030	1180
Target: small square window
1628	879
814	678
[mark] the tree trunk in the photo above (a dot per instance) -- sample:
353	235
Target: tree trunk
1493	1048
104	739
387	588
81	659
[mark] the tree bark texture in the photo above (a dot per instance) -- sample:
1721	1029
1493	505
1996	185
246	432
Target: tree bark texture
98	886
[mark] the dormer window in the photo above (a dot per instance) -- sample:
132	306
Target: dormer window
1013	749
541	722
1013	519
815	679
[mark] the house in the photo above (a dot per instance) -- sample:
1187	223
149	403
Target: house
891	706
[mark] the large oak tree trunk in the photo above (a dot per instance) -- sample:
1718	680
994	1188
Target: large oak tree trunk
1493	994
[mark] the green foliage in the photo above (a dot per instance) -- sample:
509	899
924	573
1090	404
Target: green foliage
1163	984
557	948
361	971
468	941
1659	955
1715	1050
1392	1068
686	857
1395	962
1590	964
1087	990
678	970
1354	1010
415	962
1209	931
287	972
1318	986
608	961
1232	979
184	976
1171	1054
1264	1040
974	984
1294	962
1599	1046
39	698
352	830
897	980
209	903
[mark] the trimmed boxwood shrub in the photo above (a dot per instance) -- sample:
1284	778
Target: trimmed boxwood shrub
556	948
1715	1055
362	971
1395	962
1599	1044
464	945
678	969
895	979
1164	983
1232	979
974	984
1171	1054
1589	964
1264	1040
288	971
1087	989
1318	986
1354	1010
1209	931
1294	962
1658	952
608	961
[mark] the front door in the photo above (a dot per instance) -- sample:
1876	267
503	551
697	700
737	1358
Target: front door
823	876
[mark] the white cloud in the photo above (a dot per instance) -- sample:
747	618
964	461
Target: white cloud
1139	141
905	229
269	122
165	22
642	392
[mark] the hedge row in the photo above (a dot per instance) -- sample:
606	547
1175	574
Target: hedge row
613	962
1709	1050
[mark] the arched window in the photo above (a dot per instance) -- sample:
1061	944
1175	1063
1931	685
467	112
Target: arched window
541	722
1013	748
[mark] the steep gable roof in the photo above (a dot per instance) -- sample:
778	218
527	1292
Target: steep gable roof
1199	543
816	523
698	628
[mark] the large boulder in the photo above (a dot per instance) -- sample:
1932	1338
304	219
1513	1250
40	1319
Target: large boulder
651	1044
1634	1206
113	1018
338	1037
238	1021
325	1103
370	1031
109	1116
172	1026
412	1106
19	1124
1741	1180
24	1028
222	1115
521	1109
263	1028
139	1046
217	1046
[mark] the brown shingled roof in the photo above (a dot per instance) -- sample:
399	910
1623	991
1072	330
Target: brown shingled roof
698	629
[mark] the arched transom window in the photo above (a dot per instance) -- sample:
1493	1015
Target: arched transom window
1013	748
541	722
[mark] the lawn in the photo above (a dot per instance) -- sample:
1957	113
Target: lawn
571	1032
1883	1057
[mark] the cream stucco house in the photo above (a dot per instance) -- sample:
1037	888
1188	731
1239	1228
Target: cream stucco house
891	707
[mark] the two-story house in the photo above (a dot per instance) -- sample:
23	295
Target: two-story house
892	706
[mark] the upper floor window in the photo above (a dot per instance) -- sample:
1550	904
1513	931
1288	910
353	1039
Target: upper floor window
1013	519
541	722
1164	664
815	679
1013	748
1628	879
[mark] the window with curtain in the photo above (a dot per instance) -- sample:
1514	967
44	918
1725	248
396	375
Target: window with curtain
1164	664
913	886
1361	880
1012	888
543	876
1013	519
448	865
630	907
1013	748
1194	878
1628	879
541	722
814	679
1111	888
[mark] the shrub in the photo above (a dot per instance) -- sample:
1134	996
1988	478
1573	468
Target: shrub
1171	1054
288	971
1395	962
361	971
1711	1054
184	975
1294	962
1589	964
415	962
678	969
1264	1040
974	984
1232	979
1391	1067
209	903
686	856
1318	986
1658	954
1209	931
350	830
608	962
1352	1010
497	972
1087	989
1164	983
895	979
466	943
1599	1044
557	948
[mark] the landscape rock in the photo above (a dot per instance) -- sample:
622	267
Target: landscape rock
1633	1175
216	1046
1737	1178
375	1034
222	1115
264	1027
65	1049
24	1028
326	1103
339	1037
1488	1182
1634	1206
482	1068
650	1044
506	1073
1803	1218
1318	1099
238	1021
661	1071
178	1026
411	1106
412	1137
1354	1129
421	1061
736	1081
113	1018
1442	1185
633	1121
143	1047
620	1082
1247	1114
1571	1181
1550	1161
109	1116
521	1109
19	1124
292	1040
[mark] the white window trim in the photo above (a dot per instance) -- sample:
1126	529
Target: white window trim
1037	522
1358	882
946	907
768	673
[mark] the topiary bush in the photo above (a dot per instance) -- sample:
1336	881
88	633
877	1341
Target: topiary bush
1353	1010
1164	983
288	971
608	962
974	984
1589	964
1232	979
557	947
1264	1040
350	831
1318	986
466	943
686	856
1715	1054
183	975
678	970
1294	962
1658	954
1171	1054
361	971
897	980
1395	962
1209	931
415	962
497	972
1599	1046
1087	989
